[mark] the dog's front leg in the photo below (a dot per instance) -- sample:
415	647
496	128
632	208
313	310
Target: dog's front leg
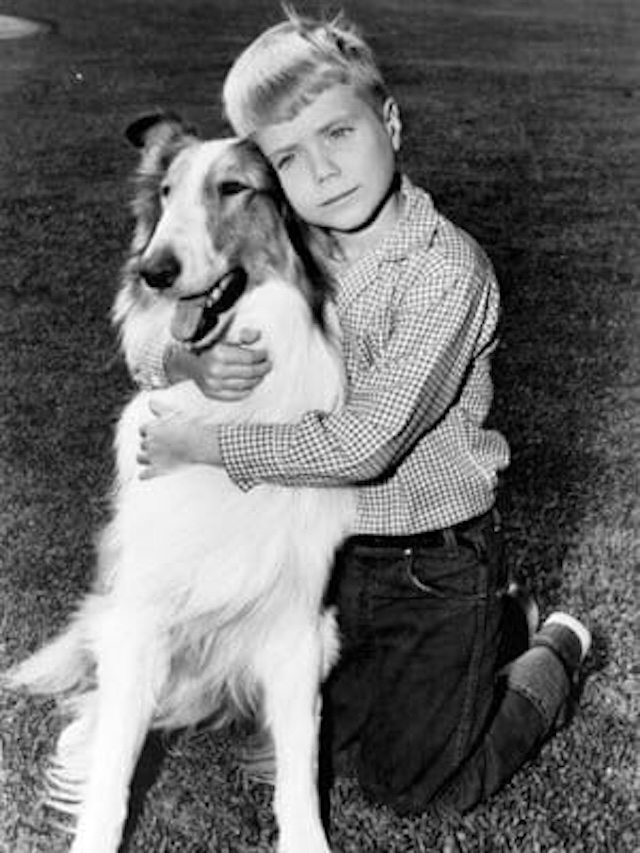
291	681
129	664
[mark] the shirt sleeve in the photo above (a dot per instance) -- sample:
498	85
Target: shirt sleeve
436	335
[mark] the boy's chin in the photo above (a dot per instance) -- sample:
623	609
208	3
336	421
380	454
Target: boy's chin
352	221
381	219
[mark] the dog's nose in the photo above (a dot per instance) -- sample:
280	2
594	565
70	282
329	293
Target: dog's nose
160	273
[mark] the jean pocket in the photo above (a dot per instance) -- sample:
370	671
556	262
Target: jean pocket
446	575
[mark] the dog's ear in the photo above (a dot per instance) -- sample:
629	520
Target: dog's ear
144	129
257	173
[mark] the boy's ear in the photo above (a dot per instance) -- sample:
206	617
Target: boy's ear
392	122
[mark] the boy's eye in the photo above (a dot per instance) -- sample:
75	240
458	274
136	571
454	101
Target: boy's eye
283	162
339	132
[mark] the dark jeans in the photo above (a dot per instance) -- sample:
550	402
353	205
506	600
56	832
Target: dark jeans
417	692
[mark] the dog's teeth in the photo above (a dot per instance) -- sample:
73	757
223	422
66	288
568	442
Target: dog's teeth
213	297
215	293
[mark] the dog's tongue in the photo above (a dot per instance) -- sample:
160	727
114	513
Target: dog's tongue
195	318
186	319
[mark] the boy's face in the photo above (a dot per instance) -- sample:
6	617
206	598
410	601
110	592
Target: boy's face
336	160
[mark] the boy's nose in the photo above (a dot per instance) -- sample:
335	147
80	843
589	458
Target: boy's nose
323	167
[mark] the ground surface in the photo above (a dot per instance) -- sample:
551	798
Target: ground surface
523	120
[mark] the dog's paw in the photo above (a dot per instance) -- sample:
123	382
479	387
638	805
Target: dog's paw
312	841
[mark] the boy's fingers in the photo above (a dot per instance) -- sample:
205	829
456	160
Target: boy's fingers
238	375
230	389
255	370
242	383
240	355
248	336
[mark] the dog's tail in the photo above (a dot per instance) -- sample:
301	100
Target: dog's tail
58	667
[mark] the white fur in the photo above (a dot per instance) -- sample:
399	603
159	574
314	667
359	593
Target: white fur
208	598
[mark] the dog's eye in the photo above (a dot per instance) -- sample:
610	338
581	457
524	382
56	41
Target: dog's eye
227	188
165	190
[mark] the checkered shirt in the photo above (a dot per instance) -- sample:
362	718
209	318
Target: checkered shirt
419	316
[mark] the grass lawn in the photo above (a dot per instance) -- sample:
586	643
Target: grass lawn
523	121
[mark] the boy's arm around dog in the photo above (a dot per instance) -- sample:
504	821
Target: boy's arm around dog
438	340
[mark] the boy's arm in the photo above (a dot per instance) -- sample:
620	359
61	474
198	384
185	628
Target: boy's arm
433	347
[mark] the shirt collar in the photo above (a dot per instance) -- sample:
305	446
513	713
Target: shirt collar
415	228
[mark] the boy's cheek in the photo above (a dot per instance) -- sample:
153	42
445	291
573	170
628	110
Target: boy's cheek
296	188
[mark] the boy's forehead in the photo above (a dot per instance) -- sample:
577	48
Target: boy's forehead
332	104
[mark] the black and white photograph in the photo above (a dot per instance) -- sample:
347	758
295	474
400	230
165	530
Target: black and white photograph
319	409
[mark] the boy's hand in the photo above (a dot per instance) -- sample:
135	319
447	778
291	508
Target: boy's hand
227	371
173	438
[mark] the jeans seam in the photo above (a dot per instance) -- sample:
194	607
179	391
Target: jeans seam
473	679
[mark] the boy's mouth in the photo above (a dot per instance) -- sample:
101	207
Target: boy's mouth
336	199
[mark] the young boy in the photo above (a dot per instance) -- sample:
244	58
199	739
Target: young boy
421	588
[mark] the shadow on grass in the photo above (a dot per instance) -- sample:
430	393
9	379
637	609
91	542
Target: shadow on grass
146	774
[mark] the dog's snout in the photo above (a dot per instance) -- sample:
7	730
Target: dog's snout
161	272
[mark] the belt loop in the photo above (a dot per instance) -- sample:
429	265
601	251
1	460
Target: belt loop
450	540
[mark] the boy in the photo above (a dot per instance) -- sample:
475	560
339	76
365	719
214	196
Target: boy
421	587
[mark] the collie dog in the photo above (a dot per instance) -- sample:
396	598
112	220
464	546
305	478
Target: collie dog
208	598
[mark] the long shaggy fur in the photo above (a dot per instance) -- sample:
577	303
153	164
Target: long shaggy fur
208	599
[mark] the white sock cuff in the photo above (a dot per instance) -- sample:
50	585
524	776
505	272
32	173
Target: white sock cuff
573	624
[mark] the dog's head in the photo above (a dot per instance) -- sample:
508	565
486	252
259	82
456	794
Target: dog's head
211	222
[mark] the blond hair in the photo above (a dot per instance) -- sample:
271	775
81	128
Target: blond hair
290	64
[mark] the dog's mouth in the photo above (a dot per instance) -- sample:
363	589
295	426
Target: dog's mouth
197	318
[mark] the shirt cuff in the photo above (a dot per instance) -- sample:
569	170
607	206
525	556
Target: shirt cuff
149	368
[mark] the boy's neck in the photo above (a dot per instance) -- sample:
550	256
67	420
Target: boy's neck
355	244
